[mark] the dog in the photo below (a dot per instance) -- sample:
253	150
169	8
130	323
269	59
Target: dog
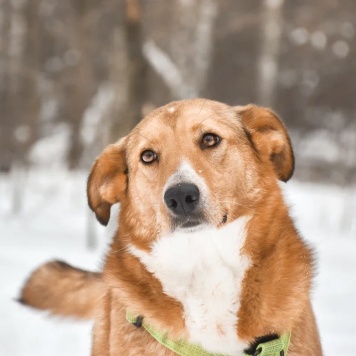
206	259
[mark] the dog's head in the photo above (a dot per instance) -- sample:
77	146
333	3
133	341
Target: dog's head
190	163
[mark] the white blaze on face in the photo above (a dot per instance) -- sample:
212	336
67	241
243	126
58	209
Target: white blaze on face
204	271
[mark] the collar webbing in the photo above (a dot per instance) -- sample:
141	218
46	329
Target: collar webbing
277	347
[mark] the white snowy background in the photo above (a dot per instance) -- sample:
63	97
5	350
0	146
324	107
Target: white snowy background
52	223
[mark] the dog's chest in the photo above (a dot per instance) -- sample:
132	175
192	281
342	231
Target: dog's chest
204	271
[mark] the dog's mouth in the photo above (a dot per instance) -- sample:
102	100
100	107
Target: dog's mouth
190	223
192	226
194	223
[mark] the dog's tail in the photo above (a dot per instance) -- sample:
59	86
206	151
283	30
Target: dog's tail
63	290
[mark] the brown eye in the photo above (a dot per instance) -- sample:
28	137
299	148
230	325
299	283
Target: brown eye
148	157
210	140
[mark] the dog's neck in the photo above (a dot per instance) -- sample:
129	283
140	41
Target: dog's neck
202	287
203	270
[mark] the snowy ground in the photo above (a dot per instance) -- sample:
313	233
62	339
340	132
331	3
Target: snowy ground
53	221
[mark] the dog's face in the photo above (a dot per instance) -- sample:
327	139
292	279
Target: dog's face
190	163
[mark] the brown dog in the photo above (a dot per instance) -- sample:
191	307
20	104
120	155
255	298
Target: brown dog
205	252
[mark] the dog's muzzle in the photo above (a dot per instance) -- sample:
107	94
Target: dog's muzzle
184	203
182	199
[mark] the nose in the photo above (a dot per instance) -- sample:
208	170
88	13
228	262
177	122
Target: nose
182	198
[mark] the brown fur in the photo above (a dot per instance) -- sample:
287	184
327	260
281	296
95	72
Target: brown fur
241	173
64	290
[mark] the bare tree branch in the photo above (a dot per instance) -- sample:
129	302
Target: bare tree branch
166	69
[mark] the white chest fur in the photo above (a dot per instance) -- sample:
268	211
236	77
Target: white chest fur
204	271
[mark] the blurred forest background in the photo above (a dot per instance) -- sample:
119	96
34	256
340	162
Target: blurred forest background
78	74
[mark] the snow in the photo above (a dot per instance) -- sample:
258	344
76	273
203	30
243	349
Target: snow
49	146
52	224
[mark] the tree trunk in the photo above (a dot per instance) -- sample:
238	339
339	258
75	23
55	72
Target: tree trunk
272	26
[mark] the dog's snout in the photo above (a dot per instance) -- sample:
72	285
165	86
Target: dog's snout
182	198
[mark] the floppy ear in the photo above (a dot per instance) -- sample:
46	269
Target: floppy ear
107	181
270	138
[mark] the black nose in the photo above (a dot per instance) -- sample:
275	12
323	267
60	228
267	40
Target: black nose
182	199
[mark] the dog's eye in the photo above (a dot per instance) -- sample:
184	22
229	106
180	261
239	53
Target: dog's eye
148	156
210	140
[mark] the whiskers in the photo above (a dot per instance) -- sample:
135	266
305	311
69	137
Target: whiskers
124	248
148	221
231	202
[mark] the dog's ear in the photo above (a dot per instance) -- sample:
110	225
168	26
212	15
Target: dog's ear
269	137
107	181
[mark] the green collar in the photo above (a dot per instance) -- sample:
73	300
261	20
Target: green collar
277	347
